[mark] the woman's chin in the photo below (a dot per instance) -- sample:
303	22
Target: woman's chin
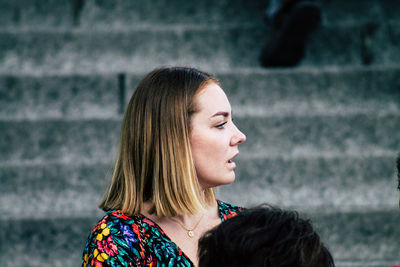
229	179
225	181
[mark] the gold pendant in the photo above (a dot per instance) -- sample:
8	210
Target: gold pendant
190	233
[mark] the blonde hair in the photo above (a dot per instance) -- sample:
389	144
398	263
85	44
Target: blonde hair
154	161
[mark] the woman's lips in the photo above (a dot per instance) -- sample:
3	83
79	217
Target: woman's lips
231	162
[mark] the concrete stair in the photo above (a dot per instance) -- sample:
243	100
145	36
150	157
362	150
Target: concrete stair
321	138
209	46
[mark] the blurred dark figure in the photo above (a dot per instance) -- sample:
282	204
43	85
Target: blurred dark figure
291	23
398	174
265	237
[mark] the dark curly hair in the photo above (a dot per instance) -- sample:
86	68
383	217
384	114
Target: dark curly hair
264	236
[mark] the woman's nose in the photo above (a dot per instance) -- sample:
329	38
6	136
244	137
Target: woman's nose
238	137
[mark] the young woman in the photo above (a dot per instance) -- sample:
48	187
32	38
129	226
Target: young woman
178	142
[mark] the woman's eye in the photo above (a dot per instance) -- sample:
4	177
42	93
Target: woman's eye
221	126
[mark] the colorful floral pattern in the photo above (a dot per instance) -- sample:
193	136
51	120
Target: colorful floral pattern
120	240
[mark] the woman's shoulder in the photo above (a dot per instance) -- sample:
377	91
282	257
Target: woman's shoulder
115	239
115	219
227	210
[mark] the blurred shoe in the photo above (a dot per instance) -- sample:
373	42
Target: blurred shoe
292	25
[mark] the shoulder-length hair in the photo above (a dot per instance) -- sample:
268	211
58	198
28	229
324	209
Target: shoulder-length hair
154	162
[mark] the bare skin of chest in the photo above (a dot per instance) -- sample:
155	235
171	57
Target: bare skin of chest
176	231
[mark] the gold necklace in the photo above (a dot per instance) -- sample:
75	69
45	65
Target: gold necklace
190	232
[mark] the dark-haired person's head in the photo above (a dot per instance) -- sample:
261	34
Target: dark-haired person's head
264	236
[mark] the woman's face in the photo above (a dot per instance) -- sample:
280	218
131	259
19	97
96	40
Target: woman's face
214	138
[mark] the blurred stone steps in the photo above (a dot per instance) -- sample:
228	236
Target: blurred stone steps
337	183
27	13
251	91
119	13
60	96
321	182
306	92
99	36
52	190
345	45
365	237
44	242
120	50
374	239
212	48
59	140
82	140
311	134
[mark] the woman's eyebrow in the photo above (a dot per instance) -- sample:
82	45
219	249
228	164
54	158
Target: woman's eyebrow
221	113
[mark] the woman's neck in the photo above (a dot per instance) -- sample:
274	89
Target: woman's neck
211	211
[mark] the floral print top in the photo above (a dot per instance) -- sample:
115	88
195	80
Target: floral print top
120	240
